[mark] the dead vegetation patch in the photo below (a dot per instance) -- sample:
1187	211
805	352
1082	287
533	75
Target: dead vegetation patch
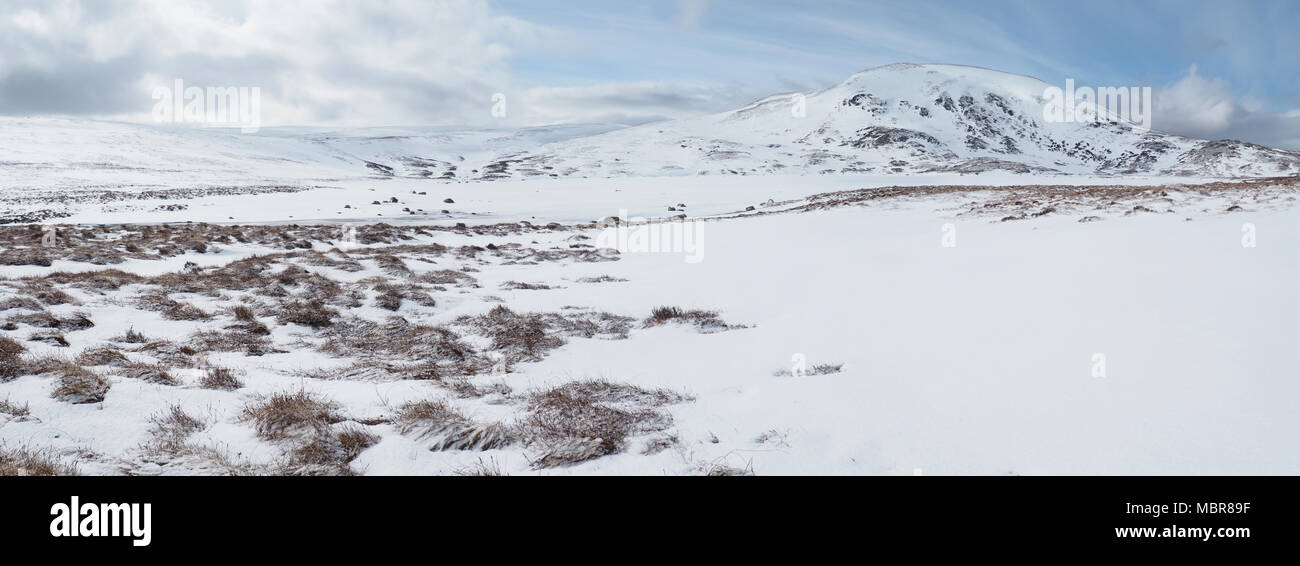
481	468
170	430
131	336
43	319
310	313
21	303
583	420
46	293
520	286
169	353
286	415
171	309
440	350
818	369
705	321
310	427
601	279
102	356
151	373
219	378
78	385
25	461
11	364
447	429
527	336
52	338
15	411
329	452
1016	202
447	277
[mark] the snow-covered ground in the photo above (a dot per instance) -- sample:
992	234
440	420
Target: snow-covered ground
972	289
967	345
536	200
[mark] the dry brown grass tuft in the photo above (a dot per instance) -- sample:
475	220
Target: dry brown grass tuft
171	309
152	373
329	453
466	389
20	412
389	297
43	319
818	369
170	430
583	420
101	280
78	385
243	313
447	277
288	415
132	337
306	421
102	356
521	286
391	265
20	303
310	313
220	378
46	293
250	338
602	279
522	334
25	257
170	353
51	338
705	321
449	429
482	467
40	365
722	469
354	439
429	352
28	462
11	364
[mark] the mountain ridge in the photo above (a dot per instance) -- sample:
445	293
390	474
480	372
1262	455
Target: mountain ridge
902	118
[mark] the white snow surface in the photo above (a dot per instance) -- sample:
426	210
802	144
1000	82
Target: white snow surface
974	359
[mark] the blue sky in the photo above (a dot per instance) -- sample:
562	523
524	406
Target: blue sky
1250	44
1219	69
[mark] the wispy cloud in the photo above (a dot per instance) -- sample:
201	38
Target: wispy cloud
345	62
1206	107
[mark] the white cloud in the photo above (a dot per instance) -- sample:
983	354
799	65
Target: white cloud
333	61
629	102
1195	105
1205	107
374	62
30	21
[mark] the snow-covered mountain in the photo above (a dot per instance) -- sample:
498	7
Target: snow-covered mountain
896	119
900	118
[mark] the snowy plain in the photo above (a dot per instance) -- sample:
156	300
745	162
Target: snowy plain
971	359
987	293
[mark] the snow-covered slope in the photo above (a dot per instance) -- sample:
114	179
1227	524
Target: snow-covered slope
43	153
897	119
904	118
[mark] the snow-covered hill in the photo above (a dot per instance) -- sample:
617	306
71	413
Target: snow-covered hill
902	118
897	119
